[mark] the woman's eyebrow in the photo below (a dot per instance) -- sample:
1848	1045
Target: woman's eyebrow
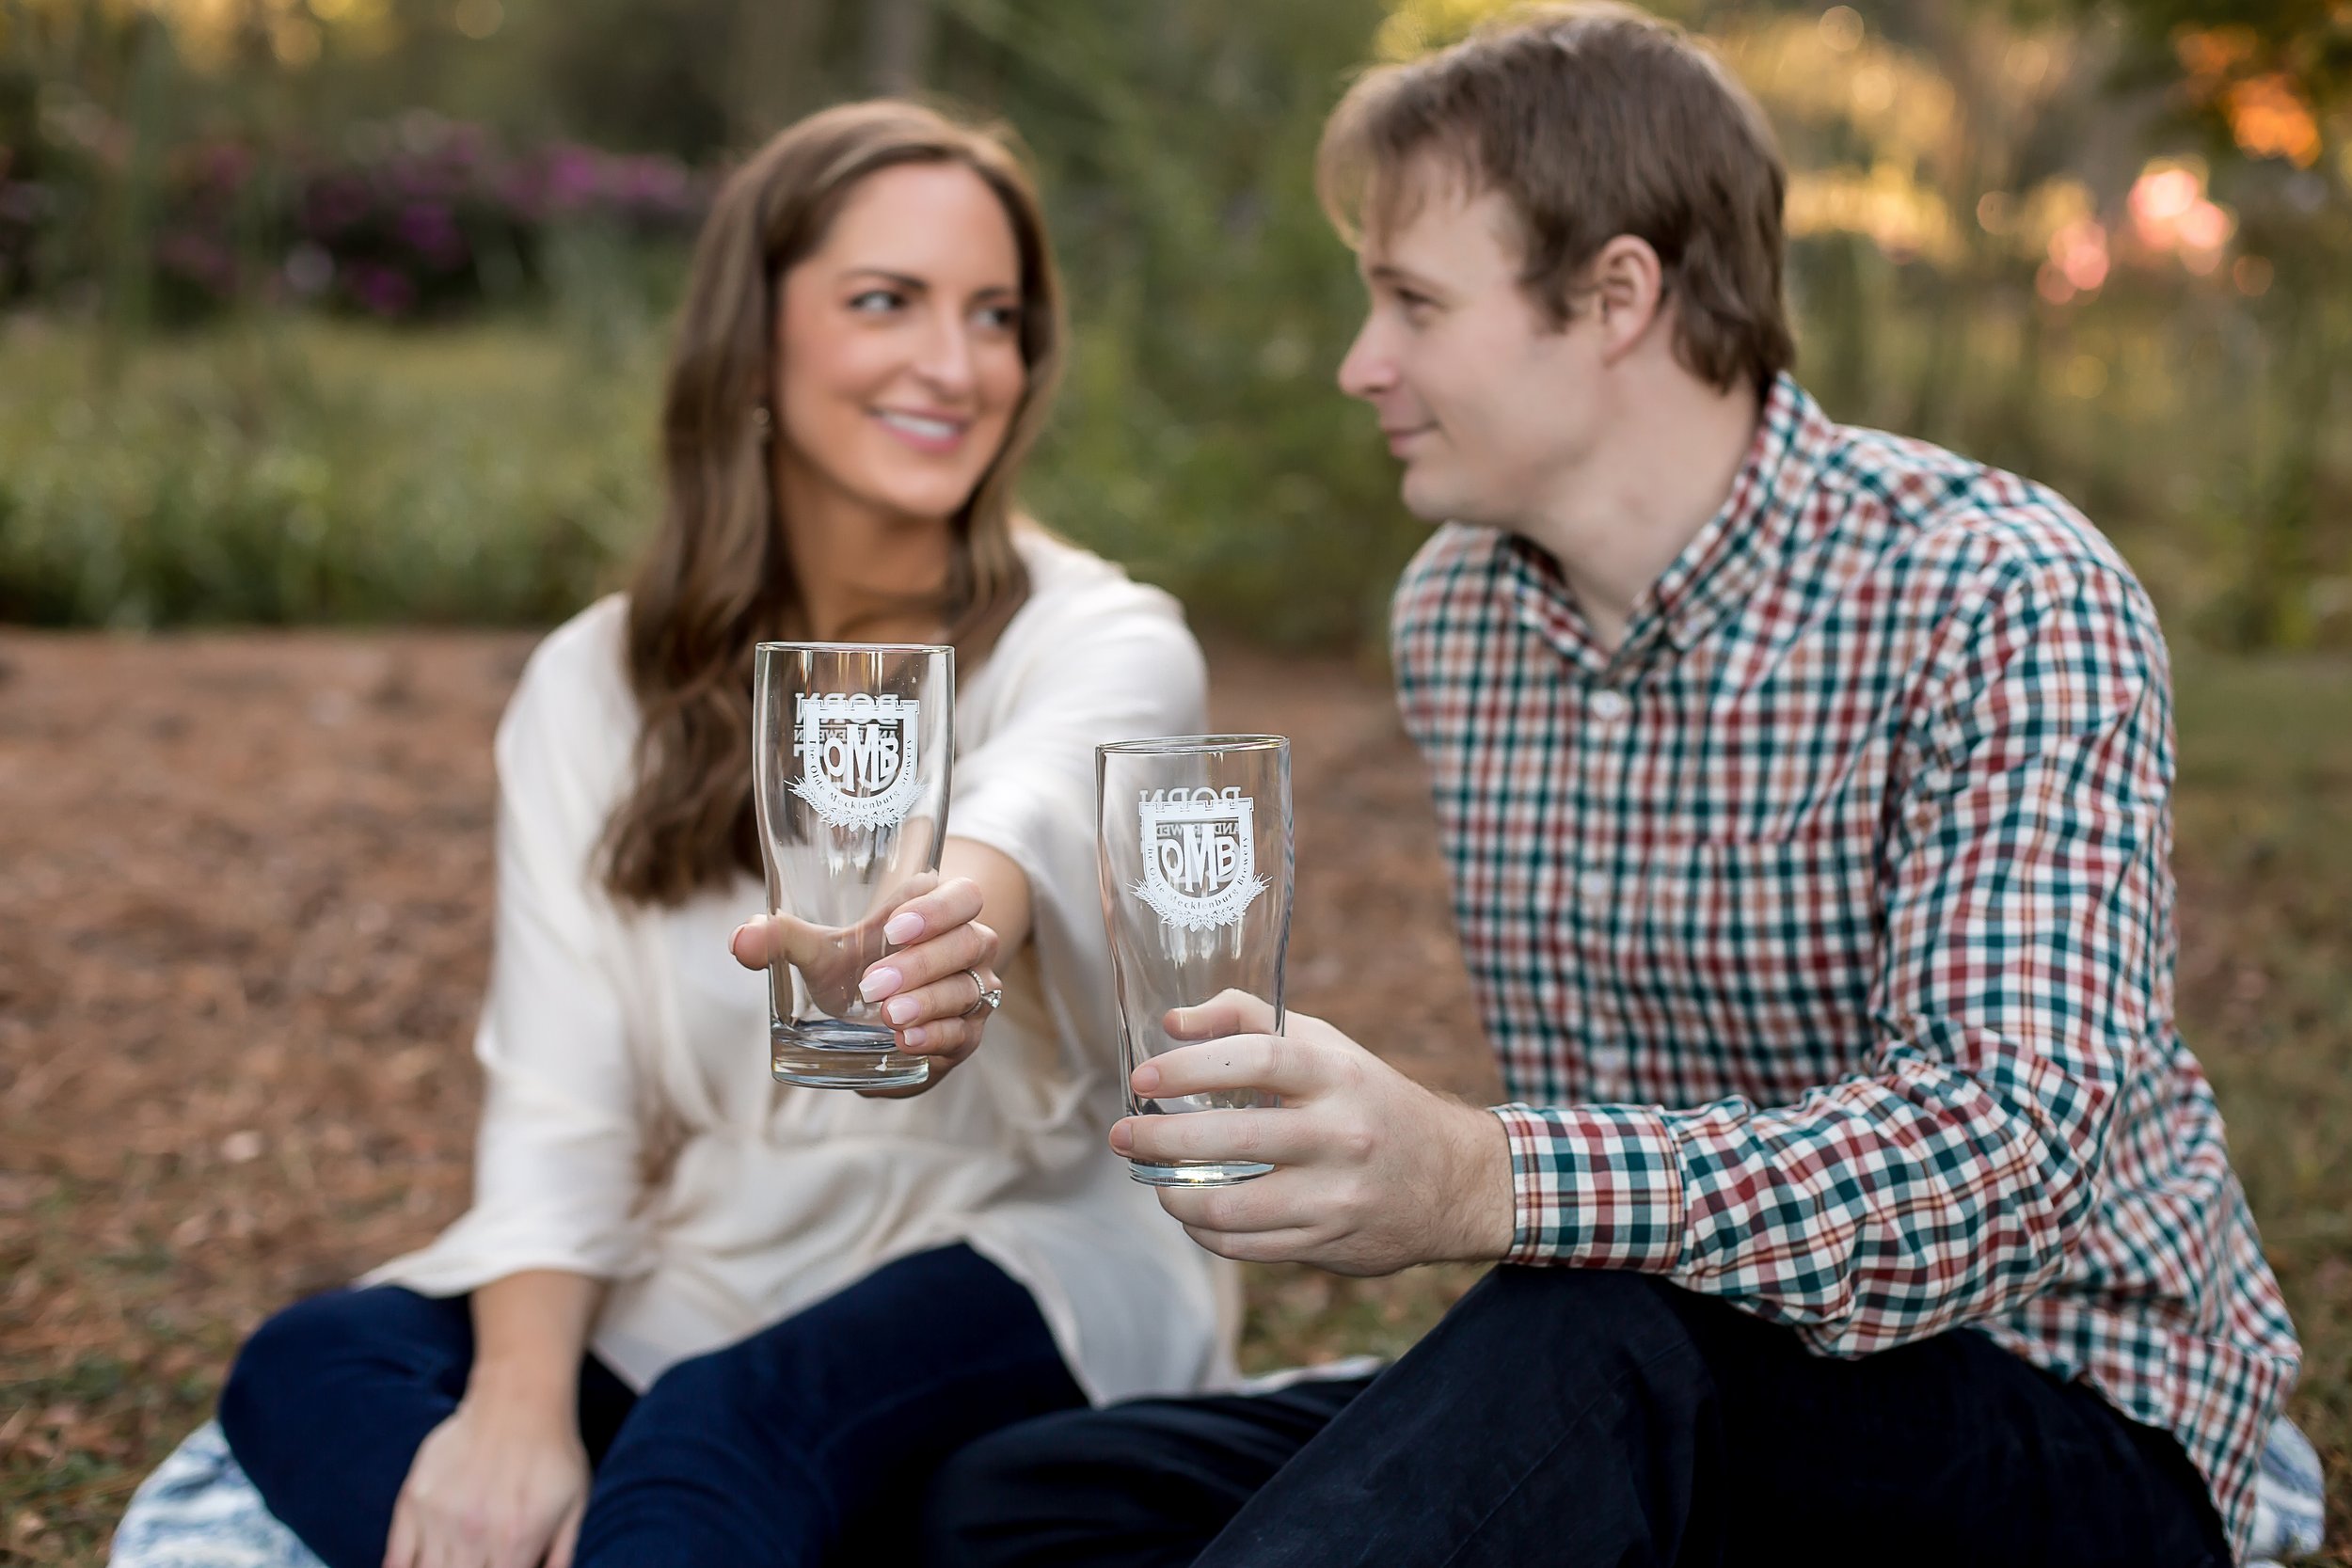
912	284
904	281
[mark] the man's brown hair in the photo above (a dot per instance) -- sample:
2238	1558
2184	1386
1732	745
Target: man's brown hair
1591	119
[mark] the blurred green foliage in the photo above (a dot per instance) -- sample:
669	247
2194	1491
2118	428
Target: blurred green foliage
313	470
2097	243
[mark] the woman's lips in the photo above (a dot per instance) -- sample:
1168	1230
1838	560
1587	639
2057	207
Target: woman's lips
925	433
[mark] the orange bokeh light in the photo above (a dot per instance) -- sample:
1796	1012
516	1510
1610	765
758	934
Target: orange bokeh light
2213	52
2268	119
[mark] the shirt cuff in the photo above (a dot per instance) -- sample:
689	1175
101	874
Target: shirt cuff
1598	1186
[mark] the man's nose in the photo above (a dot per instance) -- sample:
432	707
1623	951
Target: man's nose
1368	370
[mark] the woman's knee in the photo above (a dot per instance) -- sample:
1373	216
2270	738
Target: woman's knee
282	1355
294	1350
763	1398
720	1385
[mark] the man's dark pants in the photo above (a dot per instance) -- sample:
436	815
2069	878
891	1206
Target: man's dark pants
1563	1417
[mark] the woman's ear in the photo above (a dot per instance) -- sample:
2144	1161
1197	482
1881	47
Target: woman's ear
1628	288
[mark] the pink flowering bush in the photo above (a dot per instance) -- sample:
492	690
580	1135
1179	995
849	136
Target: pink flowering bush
423	218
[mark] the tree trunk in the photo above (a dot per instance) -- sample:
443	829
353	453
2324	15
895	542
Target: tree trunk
777	73
131	232
898	46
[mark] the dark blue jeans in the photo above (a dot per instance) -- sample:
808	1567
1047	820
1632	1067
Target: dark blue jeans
1577	1418
808	1443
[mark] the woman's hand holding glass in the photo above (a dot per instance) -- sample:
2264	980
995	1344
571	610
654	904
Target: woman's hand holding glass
930	985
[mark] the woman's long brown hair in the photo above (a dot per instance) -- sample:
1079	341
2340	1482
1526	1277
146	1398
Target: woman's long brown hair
716	579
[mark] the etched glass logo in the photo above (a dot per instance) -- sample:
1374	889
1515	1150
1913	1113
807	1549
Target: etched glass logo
857	754
1199	856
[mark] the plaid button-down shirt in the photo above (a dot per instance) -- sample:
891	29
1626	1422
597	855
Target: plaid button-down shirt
1824	928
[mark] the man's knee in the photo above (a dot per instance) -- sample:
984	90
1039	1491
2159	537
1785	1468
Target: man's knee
1053	1489
982	1500
1517	1303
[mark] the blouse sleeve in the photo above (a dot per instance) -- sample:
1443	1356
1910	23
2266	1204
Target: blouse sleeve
557	1177
1125	667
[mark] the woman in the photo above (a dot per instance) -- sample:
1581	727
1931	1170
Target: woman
696	1315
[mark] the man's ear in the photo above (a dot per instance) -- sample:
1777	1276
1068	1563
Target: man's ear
1627	285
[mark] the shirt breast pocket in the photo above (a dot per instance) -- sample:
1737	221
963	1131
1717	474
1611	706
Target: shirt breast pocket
1761	956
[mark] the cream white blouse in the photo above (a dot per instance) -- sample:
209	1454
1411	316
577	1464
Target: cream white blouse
632	1131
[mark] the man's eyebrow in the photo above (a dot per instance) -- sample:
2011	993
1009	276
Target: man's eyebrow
1389	273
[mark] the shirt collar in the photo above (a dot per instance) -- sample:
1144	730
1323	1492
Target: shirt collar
1755	527
1724	559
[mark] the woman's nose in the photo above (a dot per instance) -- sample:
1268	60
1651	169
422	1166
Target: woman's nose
946	355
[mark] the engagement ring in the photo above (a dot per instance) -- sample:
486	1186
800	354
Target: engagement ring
990	997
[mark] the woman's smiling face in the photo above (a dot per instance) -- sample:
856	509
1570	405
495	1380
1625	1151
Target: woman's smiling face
897	353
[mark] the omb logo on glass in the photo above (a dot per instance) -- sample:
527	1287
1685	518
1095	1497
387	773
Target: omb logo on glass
1199	857
858	766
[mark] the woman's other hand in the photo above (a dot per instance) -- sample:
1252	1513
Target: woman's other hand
502	1483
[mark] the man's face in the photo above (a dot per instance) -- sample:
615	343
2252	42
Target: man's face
1487	404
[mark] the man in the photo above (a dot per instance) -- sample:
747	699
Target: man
1807	796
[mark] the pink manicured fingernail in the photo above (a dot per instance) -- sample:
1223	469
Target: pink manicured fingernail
900	1009
913	1038
879	982
1146	1079
1122	1141
903	926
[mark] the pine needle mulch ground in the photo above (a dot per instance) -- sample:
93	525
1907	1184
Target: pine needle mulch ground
243	911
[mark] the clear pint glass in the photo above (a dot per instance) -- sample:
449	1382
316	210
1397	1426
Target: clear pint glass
852	745
1194	840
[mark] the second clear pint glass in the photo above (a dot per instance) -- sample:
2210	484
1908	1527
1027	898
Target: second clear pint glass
1193	839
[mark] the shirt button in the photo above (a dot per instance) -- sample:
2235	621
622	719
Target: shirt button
1609	706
